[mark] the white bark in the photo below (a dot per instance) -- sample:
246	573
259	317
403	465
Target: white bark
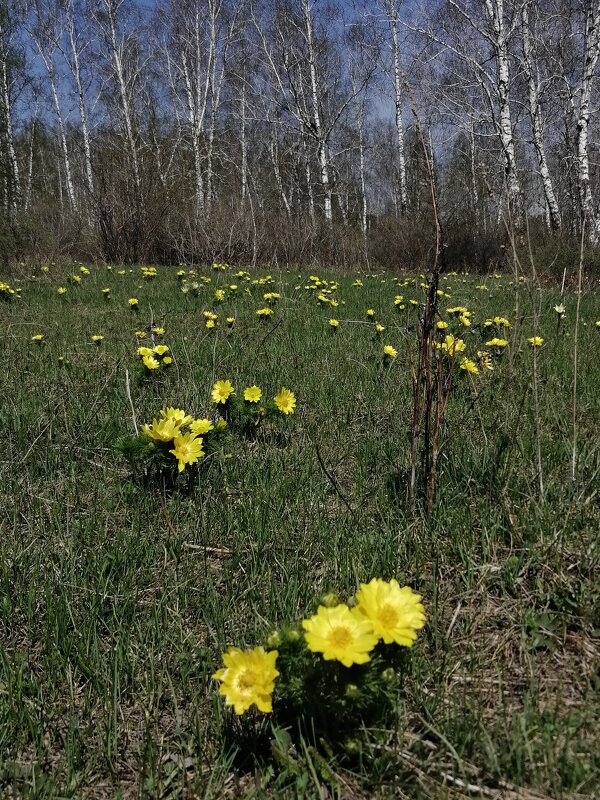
274	150
74	63
116	46
474	190
309	187
537	127
495	13
398	105
322	147
47	57
590	60
14	180
244	144
27	198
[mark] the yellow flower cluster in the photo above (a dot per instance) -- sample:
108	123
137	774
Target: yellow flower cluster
186	446
222	391
154	358
7	292
383	612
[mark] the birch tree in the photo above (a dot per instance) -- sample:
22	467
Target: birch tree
591	53
46	33
125	68
8	63
531	70
74	51
392	18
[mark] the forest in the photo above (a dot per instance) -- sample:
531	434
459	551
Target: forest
299	131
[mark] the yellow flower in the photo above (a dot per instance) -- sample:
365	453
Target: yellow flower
150	362
495	342
370	312
340	635
379	328
161	349
158	331
230	321
140	334
485	359
536	341
145	351
502	321
252	394
161	431
285	401
395	613
441	325
201	426
334	323
178	415
452	345
389	351
187	449
97	338
167	360
38	337
264	312
222	391
133	301
62	290
248	678
469	366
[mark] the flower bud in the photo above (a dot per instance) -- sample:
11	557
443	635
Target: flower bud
273	639
388	675
292	635
330	600
352	691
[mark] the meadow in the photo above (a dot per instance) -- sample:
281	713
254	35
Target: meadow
119	595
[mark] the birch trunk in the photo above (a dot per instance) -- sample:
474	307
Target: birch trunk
30	164
393	20
322	149
474	190
61	129
244	145
552	208
309	187
111	8
591	53
75	66
274	150
14	180
495	12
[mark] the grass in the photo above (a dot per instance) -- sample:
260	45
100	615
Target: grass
116	600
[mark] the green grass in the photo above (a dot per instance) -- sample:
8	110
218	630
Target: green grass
115	606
